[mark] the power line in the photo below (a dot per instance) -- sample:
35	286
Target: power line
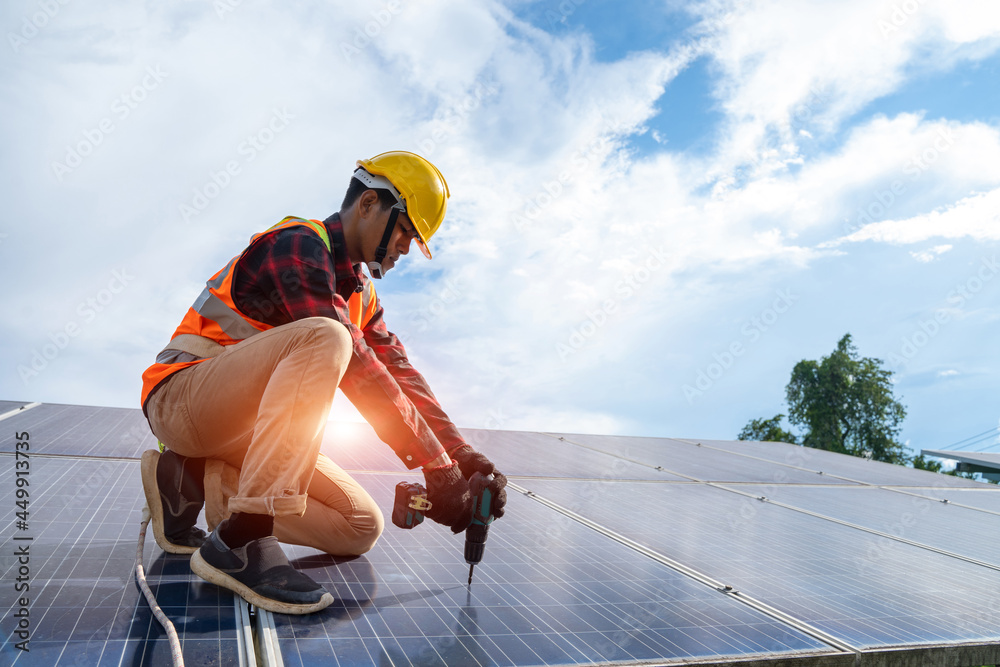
989	434
967	446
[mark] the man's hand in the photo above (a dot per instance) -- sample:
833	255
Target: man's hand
471	461
450	498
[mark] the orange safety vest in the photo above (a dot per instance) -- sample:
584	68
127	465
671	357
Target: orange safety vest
215	315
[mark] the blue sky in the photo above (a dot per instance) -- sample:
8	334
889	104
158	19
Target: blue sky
635	184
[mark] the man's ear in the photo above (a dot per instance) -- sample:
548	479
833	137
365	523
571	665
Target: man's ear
368	204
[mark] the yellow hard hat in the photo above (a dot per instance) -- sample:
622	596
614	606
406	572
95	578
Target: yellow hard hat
421	186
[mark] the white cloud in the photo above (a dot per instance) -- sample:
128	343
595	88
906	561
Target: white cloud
788	65
973	217
930	254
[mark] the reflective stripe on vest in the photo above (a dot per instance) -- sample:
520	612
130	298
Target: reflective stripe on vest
213	308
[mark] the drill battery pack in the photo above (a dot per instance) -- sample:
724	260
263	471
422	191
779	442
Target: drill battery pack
409	505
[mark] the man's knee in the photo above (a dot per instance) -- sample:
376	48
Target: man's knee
349	536
332	336
366	530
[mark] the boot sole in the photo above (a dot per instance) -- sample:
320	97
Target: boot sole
203	569
149	459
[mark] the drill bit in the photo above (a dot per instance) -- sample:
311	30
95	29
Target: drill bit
471	568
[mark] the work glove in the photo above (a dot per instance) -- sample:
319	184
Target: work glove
470	461
449	496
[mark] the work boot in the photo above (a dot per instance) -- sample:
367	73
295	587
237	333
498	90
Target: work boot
174	488
260	573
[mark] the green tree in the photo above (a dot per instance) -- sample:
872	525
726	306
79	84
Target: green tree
921	463
845	404
767	430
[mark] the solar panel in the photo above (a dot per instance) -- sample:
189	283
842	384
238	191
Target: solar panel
85	608
537	455
865	592
81	431
914	518
549	591
357	447
832	463
698	462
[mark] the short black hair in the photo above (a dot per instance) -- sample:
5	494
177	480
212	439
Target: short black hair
357	188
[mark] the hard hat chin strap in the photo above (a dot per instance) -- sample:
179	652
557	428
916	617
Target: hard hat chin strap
375	268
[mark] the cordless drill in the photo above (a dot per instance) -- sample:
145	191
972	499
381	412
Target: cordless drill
411	504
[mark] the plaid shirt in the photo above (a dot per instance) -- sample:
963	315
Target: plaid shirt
288	275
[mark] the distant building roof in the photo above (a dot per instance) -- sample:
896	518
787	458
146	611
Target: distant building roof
986	463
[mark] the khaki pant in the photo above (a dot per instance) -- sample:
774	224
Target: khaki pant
257	412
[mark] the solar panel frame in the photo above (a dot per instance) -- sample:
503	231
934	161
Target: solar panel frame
8	406
986	499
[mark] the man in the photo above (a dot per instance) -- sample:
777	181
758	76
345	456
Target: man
240	395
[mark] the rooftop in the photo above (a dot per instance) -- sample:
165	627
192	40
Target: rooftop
614	550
